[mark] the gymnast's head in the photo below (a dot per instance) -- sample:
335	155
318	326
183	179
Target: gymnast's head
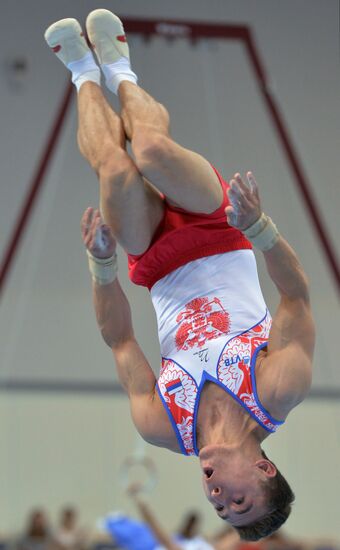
249	492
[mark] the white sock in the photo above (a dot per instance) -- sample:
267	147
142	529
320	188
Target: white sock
84	70
116	72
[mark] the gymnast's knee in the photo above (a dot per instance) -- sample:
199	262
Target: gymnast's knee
151	149
116	168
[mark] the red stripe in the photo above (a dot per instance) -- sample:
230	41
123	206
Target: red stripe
37	182
295	164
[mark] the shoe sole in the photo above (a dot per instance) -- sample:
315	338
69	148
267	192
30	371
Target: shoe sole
65	37
107	36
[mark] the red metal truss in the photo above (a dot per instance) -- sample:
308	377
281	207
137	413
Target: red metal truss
172	29
37	181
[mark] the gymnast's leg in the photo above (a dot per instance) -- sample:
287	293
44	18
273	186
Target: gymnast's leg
184	177
128	203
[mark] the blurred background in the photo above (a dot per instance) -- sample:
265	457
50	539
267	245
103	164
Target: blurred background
65	427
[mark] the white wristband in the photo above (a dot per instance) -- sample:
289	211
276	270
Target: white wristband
263	233
103	270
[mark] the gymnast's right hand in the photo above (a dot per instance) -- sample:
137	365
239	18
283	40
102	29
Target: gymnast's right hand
97	236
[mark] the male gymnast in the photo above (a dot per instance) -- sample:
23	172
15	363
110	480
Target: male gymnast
229	375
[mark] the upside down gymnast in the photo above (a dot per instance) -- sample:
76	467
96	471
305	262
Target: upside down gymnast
229	373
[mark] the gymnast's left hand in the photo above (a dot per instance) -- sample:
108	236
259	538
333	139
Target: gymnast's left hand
97	236
245	205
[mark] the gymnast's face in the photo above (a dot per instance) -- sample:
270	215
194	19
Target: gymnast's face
235	485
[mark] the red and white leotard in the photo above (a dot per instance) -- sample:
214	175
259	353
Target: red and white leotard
212	322
212	318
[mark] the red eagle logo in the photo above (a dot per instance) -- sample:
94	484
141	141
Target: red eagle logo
201	320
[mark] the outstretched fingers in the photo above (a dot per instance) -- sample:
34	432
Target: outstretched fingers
253	184
238	201
244	208
87	218
240	192
97	236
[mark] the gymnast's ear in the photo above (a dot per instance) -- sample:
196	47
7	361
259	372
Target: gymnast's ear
268	468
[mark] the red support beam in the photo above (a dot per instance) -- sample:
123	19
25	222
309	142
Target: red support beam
295	164
35	186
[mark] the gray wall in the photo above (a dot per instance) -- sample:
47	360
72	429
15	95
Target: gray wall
47	328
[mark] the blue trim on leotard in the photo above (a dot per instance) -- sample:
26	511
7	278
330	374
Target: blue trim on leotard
172	420
253	381
207	377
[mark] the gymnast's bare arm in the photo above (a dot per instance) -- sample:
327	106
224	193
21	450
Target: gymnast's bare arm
286	367
114	320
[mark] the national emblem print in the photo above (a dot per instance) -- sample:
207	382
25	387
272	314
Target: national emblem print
200	321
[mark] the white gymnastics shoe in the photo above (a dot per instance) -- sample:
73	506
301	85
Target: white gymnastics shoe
107	37
66	39
106	34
